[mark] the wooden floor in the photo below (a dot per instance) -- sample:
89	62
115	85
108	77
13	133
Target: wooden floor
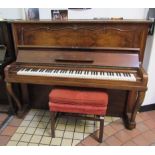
114	132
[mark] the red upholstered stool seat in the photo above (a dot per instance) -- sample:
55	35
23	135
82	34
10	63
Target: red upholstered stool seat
78	101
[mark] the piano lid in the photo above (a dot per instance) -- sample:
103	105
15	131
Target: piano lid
109	58
2	52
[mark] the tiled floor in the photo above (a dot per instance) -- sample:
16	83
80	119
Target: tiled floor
115	134
3	117
34	129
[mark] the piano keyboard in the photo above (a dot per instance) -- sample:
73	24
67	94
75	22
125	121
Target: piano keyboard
78	74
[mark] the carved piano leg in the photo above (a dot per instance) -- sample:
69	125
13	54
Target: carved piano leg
12	96
135	99
12	109
132	96
139	101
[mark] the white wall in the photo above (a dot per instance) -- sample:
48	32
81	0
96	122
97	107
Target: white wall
11	13
108	13
149	65
45	13
132	13
137	13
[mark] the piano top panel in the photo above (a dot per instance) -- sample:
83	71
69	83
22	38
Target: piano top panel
85	21
82	33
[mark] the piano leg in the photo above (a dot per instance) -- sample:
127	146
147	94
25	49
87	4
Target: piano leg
135	99
12	96
12	109
139	101
25	94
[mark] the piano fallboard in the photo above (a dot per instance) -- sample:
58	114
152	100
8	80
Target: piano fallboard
76	56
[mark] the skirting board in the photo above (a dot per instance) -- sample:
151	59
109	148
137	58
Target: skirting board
147	107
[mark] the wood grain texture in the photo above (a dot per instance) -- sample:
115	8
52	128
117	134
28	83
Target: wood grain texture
131	34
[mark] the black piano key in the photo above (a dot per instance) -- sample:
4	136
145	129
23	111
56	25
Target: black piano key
73	72
61	71
78	72
22	69
27	69
124	74
41	70
34	70
65	71
127	74
47	70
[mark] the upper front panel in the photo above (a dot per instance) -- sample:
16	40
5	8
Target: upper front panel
81	34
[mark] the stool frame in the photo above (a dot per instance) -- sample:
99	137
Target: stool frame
98	118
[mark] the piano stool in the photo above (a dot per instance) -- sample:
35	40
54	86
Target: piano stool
80	102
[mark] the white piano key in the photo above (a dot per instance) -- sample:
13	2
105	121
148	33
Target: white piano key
133	77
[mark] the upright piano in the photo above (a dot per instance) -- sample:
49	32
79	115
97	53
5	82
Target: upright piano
7	55
90	54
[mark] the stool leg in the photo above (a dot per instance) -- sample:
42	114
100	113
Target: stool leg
101	129
52	124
